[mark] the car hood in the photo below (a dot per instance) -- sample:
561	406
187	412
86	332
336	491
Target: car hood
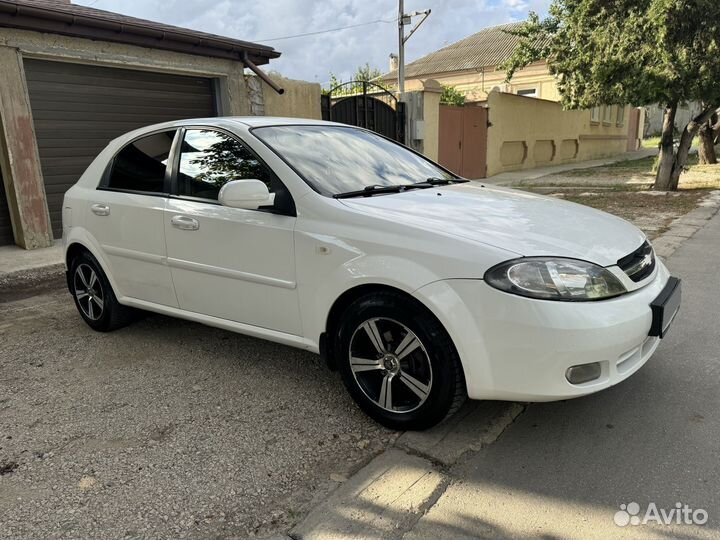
517	221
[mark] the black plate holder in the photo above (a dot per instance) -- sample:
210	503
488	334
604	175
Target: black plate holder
665	307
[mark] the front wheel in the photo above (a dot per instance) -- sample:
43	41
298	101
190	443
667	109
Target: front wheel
398	362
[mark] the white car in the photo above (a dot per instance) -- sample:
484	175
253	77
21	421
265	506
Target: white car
420	287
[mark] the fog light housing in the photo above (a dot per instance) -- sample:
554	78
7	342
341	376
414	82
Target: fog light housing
583	373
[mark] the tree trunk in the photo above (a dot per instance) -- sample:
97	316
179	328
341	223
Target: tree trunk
685	143
666	157
706	149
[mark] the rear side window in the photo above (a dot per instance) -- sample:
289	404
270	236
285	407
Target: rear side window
141	165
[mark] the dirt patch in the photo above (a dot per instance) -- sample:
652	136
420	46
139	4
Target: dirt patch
635	174
652	212
624	189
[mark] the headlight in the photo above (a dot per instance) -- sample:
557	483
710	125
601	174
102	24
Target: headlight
555	279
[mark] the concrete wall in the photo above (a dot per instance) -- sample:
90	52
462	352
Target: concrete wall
525	133
300	100
422	110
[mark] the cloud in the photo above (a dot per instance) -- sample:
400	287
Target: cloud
313	58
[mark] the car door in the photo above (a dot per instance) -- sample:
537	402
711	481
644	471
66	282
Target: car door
126	218
230	263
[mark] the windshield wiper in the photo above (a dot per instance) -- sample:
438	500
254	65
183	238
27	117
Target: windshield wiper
369	191
434	181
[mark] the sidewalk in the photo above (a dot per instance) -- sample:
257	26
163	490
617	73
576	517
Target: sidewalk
19	263
561	470
512	177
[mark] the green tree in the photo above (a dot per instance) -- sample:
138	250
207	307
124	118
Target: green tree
640	52
366	73
451	96
362	74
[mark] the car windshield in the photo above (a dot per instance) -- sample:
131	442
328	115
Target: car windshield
336	160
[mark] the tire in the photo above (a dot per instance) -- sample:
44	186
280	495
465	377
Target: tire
398	362
94	298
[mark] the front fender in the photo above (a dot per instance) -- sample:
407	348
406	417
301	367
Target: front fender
322	279
451	309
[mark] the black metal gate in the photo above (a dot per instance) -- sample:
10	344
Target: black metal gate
368	105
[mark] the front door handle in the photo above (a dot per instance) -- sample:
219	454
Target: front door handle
185	223
100	209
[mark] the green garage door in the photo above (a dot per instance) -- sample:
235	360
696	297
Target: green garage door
77	109
6	233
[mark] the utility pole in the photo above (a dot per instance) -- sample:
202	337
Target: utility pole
405	20
401	48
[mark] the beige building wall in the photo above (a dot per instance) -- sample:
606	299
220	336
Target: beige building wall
525	133
431	119
476	85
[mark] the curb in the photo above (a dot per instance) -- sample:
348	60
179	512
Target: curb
386	498
687	225
32	276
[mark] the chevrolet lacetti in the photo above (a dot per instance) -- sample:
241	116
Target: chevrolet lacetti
420	287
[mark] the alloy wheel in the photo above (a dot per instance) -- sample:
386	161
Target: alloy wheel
88	292
390	365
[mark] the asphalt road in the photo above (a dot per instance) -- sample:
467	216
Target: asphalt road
562	470
164	429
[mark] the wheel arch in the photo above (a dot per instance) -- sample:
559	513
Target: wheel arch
79	241
332	321
73	250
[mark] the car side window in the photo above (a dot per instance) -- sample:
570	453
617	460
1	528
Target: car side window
141	165
210	159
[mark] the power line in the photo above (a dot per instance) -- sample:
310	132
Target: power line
325	31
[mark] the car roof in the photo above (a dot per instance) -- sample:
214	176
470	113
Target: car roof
261	121
221	121
227	122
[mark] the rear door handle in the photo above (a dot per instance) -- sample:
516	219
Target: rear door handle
100	209
185	223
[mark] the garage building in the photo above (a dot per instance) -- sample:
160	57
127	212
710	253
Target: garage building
76	77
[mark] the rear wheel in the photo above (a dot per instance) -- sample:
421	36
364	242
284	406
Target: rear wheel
398	362
94	297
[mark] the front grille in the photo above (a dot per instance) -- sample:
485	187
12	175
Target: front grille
640	263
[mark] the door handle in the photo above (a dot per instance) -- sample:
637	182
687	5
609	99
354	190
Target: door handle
100	209
185	223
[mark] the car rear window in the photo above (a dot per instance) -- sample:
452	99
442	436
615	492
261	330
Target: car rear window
141	165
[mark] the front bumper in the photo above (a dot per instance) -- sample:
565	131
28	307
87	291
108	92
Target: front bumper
516	348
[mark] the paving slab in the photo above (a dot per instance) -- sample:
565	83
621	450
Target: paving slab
383	500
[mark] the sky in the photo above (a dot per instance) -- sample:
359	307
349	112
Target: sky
313	58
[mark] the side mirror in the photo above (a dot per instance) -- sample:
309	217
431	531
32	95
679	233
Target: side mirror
248	194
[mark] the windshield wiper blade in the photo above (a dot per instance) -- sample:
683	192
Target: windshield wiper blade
434	181
369	191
